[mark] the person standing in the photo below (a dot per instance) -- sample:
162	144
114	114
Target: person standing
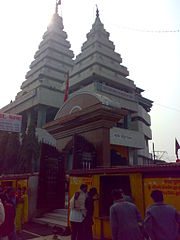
88	221
7	228
126	198
162	221
125	219
25	205
2	213
19	210
78	212
11	198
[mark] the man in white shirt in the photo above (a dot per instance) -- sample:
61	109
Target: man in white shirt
78	212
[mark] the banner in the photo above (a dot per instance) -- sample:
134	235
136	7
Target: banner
10	122
169	186
67	87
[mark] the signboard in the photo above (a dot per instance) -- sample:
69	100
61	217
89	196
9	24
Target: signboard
10	122
169	186
75	183
125	137
114	91
81	180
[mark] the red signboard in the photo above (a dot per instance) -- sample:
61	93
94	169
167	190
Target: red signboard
10	122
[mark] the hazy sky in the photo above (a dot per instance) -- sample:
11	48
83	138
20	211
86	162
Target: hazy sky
145	32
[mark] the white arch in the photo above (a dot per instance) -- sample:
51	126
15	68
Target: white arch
103	99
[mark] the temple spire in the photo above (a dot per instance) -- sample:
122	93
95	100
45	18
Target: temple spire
97	11
58	2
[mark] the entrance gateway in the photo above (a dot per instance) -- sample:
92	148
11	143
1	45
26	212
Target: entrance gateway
82	132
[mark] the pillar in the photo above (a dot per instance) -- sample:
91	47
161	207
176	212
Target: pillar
41	116
29	115
103	148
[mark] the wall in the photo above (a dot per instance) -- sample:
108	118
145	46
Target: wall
32	190
170	186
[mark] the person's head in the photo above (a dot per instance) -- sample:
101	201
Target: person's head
1	190
93	191
122	192
157	196
117	194
3	198
84	187
24	190
10	192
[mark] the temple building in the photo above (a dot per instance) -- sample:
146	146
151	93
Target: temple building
100	93
41	93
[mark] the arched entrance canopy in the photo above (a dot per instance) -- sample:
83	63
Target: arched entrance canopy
84	100
90	116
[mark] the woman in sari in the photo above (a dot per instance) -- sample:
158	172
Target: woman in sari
19	210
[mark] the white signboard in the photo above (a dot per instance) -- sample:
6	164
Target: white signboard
115	92
125	137
10	122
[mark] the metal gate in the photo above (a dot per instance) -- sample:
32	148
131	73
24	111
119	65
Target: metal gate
51	187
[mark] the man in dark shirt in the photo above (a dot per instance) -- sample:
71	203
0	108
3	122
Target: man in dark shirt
162	221
125	219
88	221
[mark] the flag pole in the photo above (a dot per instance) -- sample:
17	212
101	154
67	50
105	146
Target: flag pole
177	147
58	2
67	87
154	156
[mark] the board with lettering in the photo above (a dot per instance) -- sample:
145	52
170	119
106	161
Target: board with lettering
169	186
10	122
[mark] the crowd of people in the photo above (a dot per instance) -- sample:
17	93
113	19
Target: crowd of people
161	221
13	211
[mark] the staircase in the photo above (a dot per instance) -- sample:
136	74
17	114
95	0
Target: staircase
58	218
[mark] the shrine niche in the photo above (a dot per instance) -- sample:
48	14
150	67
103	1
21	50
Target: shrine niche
80	153
82	130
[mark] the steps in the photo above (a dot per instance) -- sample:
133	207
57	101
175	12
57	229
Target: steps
58	218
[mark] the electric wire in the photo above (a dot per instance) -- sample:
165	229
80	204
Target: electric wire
168	107
145	30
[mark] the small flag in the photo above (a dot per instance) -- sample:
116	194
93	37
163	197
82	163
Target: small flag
67	87
177	146
58	2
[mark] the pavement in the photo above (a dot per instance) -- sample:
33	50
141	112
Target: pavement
51	237
37	231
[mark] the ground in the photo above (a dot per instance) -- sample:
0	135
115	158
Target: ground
37	231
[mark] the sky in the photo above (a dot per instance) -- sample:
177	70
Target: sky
145	32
